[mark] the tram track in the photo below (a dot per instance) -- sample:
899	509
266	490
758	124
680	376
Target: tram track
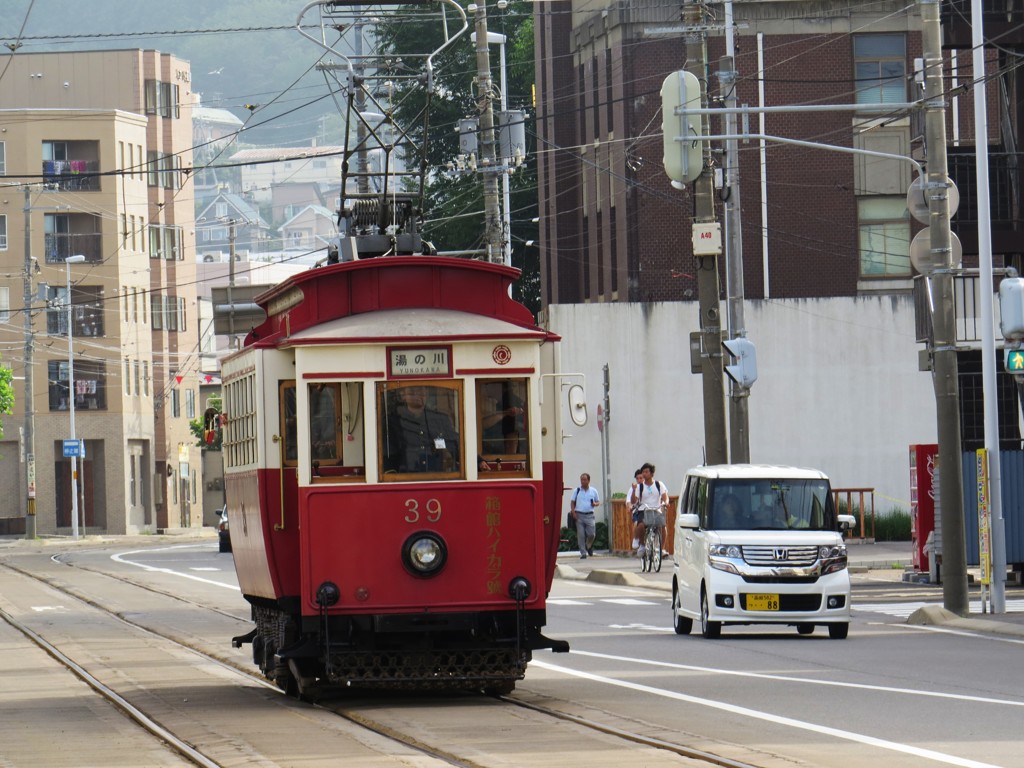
387	722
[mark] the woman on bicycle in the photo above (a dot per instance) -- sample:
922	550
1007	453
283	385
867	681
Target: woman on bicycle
651	494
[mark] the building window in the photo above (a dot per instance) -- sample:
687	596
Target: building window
156	310
127	376
3	158
3	232
5	304
145	378
86	311
190	404
880	68
175	404
884	235
90	386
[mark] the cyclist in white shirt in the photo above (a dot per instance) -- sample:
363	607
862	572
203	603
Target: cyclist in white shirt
651	494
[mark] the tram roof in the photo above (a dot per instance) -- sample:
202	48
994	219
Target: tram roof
421	323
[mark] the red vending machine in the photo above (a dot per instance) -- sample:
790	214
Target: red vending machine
922	501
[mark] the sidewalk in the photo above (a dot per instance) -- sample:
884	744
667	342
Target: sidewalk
874	562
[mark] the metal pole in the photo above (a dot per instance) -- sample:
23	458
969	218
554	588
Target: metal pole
231	284
944	373
707	266
30	414
488	164
739	416
988	342
71	396
506	192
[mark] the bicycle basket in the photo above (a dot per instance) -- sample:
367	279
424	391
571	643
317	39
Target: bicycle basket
654	517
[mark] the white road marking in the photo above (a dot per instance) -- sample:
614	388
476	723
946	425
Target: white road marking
628	601
42	608
767	716
120	558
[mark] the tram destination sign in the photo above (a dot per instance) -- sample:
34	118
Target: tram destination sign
412	362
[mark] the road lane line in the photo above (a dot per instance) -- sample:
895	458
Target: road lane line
809	681
119	558
768	717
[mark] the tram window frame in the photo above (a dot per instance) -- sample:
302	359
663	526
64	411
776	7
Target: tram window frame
337	434
288	407
387	399
515	395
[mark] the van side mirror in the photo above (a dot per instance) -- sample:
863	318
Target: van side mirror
689	520
847	523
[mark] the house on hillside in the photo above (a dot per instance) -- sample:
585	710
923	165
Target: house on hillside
310	229
230	222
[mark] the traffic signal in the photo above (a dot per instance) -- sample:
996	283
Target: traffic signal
1011	308
1013	361
744	370
682	134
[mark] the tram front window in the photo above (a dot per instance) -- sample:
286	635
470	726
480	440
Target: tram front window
335	438
419	430
503	424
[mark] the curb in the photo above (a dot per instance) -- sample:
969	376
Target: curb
616	578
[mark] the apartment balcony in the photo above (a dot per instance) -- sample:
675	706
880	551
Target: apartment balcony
71	175
59	246
967	310
1006	211
1003	21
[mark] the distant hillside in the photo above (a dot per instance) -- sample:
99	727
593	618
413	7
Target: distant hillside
229	69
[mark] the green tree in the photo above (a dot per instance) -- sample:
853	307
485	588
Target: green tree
451	200
6	395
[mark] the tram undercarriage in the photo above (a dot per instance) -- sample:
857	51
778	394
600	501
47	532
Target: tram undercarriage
475	651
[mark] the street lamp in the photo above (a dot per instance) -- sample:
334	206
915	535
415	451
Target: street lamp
78	259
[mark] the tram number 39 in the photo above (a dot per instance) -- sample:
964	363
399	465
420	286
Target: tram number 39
430	511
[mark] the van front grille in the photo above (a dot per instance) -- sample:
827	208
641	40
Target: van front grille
780	557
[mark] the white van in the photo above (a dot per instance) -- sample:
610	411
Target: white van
759	544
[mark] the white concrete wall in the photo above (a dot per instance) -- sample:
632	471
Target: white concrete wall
838	389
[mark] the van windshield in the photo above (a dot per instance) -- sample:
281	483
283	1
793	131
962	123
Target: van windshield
760	504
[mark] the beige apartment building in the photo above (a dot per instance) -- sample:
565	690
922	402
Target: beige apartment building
95	162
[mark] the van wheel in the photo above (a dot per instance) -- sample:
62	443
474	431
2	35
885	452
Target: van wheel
709	629
682	624
805	629
838	631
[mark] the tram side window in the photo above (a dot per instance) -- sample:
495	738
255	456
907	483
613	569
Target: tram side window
289	422
419	432
503	424
335	442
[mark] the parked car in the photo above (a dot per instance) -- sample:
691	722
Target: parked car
759	545
223	534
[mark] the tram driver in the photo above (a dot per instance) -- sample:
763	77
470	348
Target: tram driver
418	438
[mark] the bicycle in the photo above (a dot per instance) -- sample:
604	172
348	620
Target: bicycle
654	521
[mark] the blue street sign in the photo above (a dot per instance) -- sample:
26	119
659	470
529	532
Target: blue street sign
74	448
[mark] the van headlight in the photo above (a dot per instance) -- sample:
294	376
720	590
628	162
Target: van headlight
721	556
832	558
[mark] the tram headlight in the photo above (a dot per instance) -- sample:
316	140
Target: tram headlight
424	553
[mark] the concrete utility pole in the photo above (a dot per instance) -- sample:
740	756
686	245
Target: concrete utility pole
30	413
488	157
944	367
739	413
707	266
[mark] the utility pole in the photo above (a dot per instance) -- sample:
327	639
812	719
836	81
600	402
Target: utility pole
739	414
30	413
707	264
488	157
944	368
231	284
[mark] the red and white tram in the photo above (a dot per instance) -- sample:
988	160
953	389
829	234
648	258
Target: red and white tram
392	449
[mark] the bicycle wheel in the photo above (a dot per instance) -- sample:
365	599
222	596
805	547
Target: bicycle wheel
656	555
650	543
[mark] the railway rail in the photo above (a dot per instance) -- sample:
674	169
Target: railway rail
116	605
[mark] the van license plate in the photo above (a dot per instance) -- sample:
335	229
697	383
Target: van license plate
762	602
